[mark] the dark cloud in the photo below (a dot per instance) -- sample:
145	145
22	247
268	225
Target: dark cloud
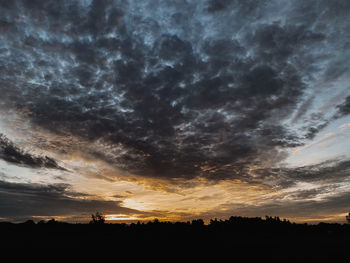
218	5
24	200
12	154
174	88
327	172
344	108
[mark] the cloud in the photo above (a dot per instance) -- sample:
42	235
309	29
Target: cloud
24	200
12	154
344	108
172	87
220	5
327	172
332	208
311	193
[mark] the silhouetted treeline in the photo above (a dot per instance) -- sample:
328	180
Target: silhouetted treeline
235	233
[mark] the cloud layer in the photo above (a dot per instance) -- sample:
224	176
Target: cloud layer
173	86
178	89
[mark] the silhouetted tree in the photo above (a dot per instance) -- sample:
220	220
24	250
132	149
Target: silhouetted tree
29	222
97	218
41	222
52	221
198	222
348	218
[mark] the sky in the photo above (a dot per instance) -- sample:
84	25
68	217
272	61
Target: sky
174	110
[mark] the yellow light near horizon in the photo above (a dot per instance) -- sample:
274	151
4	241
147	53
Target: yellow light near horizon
115	217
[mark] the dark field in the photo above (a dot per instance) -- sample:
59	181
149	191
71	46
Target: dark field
241	237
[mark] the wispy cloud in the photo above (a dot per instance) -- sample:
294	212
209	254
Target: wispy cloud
12	154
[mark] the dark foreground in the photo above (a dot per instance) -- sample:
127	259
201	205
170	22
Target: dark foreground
238	237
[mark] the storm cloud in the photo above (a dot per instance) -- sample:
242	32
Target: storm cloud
176	89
